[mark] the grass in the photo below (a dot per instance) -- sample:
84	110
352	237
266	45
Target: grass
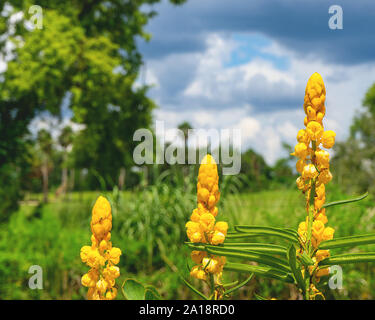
148	226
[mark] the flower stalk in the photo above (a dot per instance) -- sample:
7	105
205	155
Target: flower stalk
313	165
101	257
203	228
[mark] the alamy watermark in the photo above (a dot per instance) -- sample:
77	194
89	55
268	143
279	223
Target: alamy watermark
36	17
335	280
336	20
152	150
36	280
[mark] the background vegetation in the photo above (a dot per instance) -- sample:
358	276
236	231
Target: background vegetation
87	62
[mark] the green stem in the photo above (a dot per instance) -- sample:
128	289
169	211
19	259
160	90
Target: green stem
212	285
310	223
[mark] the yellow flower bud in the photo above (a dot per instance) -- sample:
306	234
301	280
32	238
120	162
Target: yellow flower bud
309	172
322	272
328	233
328	139
322	158
321	255
197	256
314	130
300	150
207	222
300	165
325	176
302	137
222	227
217	238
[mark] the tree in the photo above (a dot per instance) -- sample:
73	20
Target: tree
355	156
256	170
87	51
45	144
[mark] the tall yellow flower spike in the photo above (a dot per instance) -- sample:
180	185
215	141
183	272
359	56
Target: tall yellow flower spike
203	227
101	257
313	164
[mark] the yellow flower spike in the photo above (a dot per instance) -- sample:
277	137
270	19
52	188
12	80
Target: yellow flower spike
315	92
101	256
313	165
202	226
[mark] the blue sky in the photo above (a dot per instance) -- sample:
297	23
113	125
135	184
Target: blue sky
244	64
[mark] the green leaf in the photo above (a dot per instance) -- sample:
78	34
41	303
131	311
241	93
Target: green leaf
251	228
336	203
348	241
252	231
151	293
133	290
249	255
191	287
258	247
240	285
267	272
258	297
348	258
306	260
296	271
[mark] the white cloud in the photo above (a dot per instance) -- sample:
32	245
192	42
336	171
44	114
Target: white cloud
216	96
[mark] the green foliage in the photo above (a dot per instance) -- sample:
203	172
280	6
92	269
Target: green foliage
133	290
86	55
53	234
354	157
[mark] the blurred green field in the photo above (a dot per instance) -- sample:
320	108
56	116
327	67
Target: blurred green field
148	226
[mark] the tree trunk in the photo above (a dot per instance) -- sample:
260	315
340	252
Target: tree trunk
44	170
72	179
121	178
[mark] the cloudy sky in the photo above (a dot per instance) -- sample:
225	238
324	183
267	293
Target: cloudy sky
244	64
